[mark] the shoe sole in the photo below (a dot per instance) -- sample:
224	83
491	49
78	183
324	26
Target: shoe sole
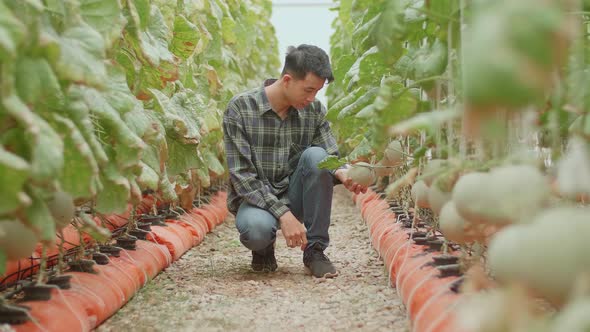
264	270
327	275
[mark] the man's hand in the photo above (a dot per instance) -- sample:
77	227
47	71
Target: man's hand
293	231
342	175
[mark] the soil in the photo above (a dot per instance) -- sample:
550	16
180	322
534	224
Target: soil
211	288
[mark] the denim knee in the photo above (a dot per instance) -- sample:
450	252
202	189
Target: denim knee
312	156
257	234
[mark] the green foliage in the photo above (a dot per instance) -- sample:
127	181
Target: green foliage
105	98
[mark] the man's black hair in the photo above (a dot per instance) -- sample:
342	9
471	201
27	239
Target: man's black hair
304	59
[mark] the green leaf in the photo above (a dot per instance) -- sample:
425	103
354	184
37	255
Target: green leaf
44	144
151	157
105	16
181	157
116	190
90	227
39	218
37	84
167	188
151	31
118	94
429	122
179	121
372	67
186	37
81	57
14	172
363	149
390	30
442	11
227	30
358	104
431	61
400	108
3	261
116	131
148	179
332	162
348	99
77	111
213	163
203	176
80	173
12	32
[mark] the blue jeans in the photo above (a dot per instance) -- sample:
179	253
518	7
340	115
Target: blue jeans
310	195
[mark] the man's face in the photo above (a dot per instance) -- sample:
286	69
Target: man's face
301	92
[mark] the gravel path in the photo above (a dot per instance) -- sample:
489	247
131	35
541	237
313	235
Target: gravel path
211	288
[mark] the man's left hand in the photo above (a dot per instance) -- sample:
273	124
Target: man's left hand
342	175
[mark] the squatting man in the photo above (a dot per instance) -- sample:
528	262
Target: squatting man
274	137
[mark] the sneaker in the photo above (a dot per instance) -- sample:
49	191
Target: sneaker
317	263
264	260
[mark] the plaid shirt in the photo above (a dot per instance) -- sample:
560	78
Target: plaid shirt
262	150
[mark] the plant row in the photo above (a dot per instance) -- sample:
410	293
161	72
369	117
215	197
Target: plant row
103	100
474	118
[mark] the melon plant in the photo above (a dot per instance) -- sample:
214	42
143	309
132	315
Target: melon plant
489	100
102	100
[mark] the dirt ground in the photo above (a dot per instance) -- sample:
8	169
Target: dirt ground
211	288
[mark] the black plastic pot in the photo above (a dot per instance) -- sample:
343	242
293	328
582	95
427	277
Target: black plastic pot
110	250
420	240
127	242
13	314
153	220
37	292
445	260
417	234
82	265
449	270
435	244
62	281
140	234
146	226
101	258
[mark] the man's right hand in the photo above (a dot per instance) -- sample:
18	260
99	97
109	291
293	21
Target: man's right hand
293	231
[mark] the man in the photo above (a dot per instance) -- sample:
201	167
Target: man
274	138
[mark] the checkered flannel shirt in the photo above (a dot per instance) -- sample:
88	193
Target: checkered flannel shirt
262	150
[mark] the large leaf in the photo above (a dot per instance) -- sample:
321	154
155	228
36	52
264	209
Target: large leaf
167	188
105	16
116	190
82	55
39	217
12	31
430	122
37	84
179	121
14	172
181	157
80	172
213	163
116	131
390	30
151	32
45	147
118	94
186	37
148	179
78	111
372	66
